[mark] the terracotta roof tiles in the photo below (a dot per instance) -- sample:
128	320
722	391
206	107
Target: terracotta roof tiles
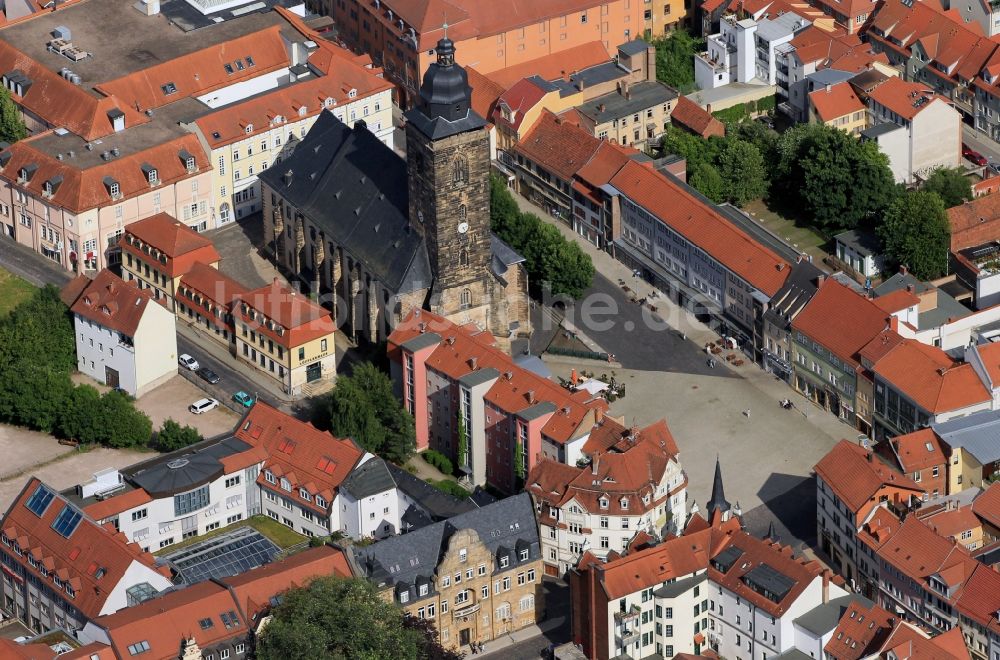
696	119
918	450
113	303
953	522
856	475
836	101
554	66
301	320
929	377
559	147
987	506
975	222
841	320
860	633
906	99
181	245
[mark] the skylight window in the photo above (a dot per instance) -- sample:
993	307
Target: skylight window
169	88
250	61
229	619
205	623
138	647
39	500
239	65
67	521
229	68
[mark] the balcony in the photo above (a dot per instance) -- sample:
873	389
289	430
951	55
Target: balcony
628	637
628	615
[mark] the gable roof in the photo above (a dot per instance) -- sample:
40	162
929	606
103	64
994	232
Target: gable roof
835	101
113	303
91	559
307	457
856	475
558	146
906	642
841	320
930	378
554	66
952	522
862	630
672	203
906	99
918	450
300	319
974	222
354	189
987	506
696	119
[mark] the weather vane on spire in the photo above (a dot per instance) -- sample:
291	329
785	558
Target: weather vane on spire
445	25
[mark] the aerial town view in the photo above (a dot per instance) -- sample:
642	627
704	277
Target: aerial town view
563	329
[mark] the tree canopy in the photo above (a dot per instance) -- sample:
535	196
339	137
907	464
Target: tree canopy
12	126
950	184
741	167
550	258
364	408
172	436
345	619
915	233
675	59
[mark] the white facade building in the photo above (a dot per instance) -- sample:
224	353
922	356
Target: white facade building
124	338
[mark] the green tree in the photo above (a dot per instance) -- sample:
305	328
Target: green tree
34	395
364	408
742	169
692	148
172	436
707	180
840	181
463	441
81	417
40	331
675	59
344	619
951	185
124	426
915	233
757	134
12	126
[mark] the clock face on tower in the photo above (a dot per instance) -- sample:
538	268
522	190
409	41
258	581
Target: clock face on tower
463	227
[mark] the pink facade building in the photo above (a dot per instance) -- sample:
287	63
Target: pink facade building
494	419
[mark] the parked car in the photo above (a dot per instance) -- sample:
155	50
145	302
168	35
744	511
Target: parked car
203	405
973	156
994	165
188	362
243	399
209	375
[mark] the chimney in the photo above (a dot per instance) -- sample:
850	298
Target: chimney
602	108
708	108
903	270
473	361
580	84
910	288
820	279
593	464
530	396
894	323
828	88
869	457
826	585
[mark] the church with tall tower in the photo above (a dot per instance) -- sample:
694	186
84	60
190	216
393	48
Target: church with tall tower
374	236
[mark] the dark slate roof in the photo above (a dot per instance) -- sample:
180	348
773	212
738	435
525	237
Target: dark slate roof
678	587
633	47
436	504
863	242
439	127
369	478
410	560
354	189
422	341
479	376
613	105
184	469
759	232
794	294
880	129
824	617
718	500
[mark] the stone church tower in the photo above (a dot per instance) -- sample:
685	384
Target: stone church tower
448	159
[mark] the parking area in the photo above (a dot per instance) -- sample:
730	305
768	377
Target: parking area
766	458
171	400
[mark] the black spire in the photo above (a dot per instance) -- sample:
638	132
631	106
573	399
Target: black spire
771	534
718	501
444	107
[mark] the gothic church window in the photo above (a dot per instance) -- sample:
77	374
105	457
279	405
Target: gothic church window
461	170
463	258
466	299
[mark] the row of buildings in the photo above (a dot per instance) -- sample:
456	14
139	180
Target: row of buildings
80	560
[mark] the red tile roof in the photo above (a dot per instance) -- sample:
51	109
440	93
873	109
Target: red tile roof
555	66
521	97
460	348
908	643
211	292
202	71
878	347
856	475
181	245
696	119
980	598
906	99
701	224
952	523
841	320
485	93
918	450
93	560
260	112
605	164
625	465
112	506
836	101
974	223
929	377
300	319
558	146
896	301
860	633
307	457
84	189
987	506
61	103
113	303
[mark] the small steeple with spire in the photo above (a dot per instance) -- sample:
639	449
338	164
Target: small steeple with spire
718	503
771	534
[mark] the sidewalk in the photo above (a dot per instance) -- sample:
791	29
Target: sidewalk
504	642
696	331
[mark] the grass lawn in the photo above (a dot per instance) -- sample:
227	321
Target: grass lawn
13	290
803	238
282	536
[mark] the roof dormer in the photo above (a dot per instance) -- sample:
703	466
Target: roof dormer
25	174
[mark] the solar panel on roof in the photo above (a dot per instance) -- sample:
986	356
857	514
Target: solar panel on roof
39	500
